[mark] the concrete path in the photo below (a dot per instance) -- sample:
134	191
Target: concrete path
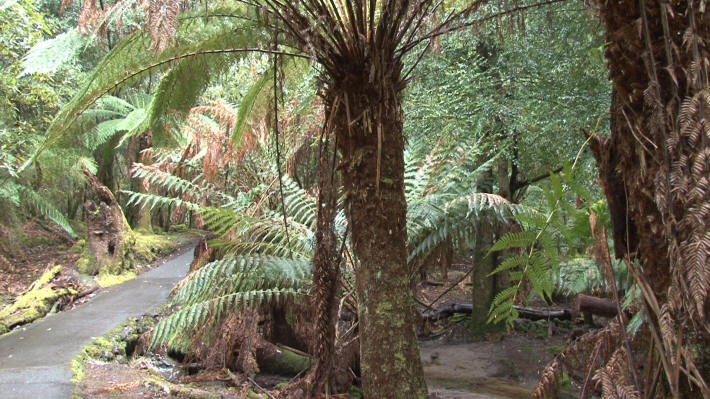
34	361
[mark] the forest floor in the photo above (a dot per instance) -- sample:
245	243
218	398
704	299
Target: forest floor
39	248
457	365
36	357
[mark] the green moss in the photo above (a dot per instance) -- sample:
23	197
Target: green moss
78	247
554	349
253	395
108	280
149	246
539	329
178	228
355	392
84	264
33	304
287	363
138	246
98	349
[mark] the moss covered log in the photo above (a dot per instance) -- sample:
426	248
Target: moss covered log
35	303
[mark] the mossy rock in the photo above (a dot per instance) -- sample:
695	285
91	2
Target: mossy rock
108	280
111	346
140	246
284	362
178	228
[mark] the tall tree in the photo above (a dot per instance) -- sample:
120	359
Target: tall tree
360	46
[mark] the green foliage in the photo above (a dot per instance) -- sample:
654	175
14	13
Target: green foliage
443	198
538	259
198	43
581	275
529	94
227	285
48	56
44	208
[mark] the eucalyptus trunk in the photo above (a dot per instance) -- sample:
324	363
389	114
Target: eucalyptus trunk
367	121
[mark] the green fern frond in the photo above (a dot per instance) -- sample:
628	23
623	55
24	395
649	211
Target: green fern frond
48	56
44	208
10	191
131	60
227	285
539	239
521	239
154	200
247	104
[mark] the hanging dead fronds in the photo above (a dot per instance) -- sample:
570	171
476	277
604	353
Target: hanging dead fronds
654	169
162	20
590	353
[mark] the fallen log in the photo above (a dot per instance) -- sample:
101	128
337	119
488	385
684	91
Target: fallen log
596	306
525	313
535	314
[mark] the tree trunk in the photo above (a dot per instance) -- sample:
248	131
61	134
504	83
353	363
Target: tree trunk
484	286
324	298
367	120
654	167
107	153
110	240
597	306
139	151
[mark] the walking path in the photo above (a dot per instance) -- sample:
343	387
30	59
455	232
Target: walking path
34	361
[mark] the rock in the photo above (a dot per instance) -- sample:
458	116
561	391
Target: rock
125	333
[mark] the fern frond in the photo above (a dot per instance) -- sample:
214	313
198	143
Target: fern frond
48	56
44	208
230	284
154	200
129	61
521	239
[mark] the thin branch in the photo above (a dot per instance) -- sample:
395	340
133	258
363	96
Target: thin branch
520	184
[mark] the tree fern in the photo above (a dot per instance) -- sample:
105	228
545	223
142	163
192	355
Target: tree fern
130	61
443	199
43	207
48	56
227	285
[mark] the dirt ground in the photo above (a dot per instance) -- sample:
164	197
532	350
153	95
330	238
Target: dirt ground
500	366
42	249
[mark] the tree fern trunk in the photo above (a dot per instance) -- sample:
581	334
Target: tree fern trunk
654	166
325	274
110	240
107	154
368	125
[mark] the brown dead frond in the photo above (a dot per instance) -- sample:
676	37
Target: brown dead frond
162	20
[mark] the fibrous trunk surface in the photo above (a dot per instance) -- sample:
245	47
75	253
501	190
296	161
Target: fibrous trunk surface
655	167
367	121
